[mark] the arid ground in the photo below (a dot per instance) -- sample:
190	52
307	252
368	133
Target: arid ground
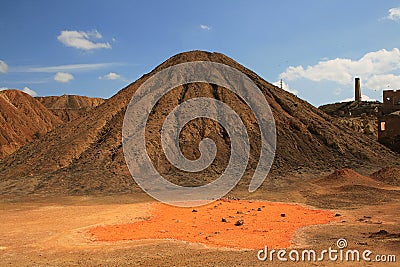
111	230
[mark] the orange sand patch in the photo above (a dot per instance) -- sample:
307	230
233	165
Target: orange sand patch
265	223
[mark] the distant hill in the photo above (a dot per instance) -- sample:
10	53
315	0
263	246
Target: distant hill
353	109
362	116
85	155
22	119
69	107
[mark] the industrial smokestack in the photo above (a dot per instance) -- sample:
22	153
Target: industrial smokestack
357	89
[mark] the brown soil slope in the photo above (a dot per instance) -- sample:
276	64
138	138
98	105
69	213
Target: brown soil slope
22	118
346	177
69	107
389	175
85	155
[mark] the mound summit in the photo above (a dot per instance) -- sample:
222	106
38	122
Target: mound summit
85	155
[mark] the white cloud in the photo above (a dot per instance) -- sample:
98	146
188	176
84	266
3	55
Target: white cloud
205	27
363	98
36	81
286	87
3	67
63	77
26	90
378	82
65	68
111	76
82	40
394	14
29	91
375	69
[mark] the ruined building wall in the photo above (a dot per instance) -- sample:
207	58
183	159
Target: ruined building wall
389	122
389	131
391	101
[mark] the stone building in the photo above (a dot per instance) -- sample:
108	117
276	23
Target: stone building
391	101
389	122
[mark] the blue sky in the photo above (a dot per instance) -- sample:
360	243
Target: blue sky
95	48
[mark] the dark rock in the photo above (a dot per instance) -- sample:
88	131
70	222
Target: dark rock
239	222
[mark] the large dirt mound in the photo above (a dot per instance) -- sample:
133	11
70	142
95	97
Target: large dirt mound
389	175
69	107
22	118
85	155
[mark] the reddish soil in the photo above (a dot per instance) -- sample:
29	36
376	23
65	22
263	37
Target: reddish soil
216	224
53	231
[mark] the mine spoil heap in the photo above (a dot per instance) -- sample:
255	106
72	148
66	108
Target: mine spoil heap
85	155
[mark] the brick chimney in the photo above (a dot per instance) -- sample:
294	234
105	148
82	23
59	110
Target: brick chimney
357	89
